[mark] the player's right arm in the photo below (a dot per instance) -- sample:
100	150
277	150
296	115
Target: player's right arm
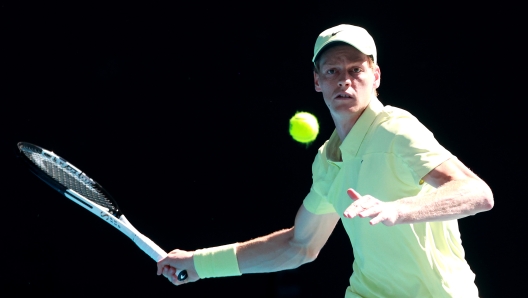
281	250
290	248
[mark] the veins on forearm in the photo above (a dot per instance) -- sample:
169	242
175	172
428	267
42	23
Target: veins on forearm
453	200
270	253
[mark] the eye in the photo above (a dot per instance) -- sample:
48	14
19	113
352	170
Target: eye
357	70
330	71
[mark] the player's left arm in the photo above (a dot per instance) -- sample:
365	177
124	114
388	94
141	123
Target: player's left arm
459	193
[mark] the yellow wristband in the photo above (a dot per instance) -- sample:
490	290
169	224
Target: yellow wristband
216	261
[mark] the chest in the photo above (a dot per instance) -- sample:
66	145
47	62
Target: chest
381	175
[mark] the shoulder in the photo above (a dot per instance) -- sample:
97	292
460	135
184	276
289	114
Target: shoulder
330	149
399	121
399	125
328	153
394	127
320	161
398	131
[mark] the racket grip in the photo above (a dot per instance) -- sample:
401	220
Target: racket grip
149	247
155	252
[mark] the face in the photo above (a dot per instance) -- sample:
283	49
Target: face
346	80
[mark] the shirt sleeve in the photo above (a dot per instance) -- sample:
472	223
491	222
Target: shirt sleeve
316	200
417	147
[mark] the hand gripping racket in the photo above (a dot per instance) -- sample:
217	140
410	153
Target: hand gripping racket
76	186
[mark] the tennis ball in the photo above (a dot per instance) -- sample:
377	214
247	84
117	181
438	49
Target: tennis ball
304	127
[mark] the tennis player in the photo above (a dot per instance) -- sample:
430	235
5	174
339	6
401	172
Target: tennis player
397	191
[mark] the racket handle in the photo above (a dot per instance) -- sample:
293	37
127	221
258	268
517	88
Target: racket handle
155	252
150	248
181	274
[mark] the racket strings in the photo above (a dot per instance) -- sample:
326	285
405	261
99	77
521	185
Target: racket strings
70	180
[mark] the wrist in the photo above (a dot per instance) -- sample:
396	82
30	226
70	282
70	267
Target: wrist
401	211
216	261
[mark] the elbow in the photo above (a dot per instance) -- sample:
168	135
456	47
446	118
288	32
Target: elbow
305	254
487	199
488	203
311	255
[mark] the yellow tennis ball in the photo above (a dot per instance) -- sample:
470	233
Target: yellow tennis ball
304	127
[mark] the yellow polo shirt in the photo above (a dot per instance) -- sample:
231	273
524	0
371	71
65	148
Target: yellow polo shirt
385	155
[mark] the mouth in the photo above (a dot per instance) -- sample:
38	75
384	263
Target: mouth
342	96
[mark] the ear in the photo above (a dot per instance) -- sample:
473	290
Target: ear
316	82
377	77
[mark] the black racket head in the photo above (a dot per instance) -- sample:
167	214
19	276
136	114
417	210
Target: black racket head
61	175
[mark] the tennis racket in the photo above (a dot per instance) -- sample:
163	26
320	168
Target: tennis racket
78	187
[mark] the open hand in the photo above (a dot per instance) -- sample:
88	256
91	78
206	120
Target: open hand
369	206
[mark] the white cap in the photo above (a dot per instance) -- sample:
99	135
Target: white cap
353	35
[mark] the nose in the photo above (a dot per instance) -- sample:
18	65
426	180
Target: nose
344	81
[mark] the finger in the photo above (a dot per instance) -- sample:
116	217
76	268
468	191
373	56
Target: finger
165	271
377	219
354	195
160	266
171	271
370	211
352	211
369	204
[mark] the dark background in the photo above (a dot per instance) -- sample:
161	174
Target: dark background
181	112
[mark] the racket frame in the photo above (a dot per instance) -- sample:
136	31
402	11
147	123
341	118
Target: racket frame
113	217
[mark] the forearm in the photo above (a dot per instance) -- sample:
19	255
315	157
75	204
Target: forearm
285	249
452	200
274	252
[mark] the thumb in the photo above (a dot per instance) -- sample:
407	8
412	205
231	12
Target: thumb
354	195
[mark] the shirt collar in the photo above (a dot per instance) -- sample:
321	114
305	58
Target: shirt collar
350	146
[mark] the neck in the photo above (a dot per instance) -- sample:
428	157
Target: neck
344	123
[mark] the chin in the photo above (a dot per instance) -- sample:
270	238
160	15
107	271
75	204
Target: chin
346	108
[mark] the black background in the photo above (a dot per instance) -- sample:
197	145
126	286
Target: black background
181	112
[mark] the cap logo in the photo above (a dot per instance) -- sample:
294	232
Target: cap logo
333	34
